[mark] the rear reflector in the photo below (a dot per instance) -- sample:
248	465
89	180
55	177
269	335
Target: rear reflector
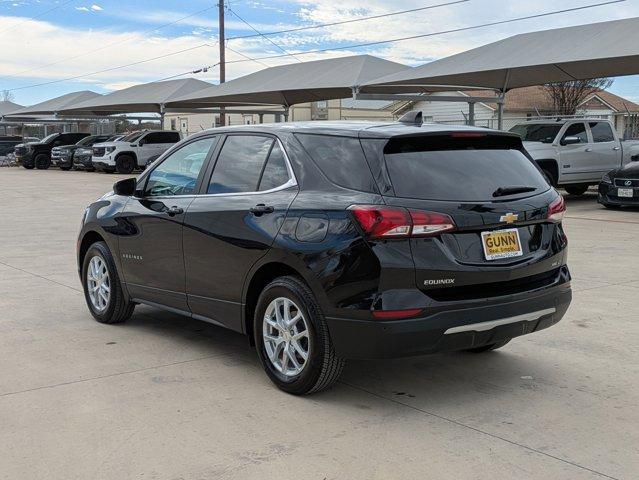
557	209
382	221
396	314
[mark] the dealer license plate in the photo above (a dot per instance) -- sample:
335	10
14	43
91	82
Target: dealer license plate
501	244
625	192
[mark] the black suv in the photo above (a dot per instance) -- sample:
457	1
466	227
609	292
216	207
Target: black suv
324	241
62	156
38	155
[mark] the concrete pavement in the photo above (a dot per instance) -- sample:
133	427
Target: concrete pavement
165	397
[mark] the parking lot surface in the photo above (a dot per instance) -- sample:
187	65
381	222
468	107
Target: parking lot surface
166	397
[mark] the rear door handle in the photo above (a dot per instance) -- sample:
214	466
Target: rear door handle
588	150
261	209
174	211
616	148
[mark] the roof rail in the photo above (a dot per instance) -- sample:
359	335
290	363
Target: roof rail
413	117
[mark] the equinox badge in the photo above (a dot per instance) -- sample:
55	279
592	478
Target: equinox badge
509	218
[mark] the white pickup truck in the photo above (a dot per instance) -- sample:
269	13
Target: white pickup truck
576	153
135	150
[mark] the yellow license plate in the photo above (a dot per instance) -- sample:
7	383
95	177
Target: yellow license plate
501	244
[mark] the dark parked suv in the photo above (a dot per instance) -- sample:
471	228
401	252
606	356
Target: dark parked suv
326	241
38	155
63	156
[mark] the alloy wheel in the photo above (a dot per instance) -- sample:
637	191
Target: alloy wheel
98	283
286	336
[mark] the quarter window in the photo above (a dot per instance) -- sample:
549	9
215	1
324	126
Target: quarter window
577	130
601	132
275	172
178	173
239	165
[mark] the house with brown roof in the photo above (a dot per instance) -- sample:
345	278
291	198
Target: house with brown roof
522	104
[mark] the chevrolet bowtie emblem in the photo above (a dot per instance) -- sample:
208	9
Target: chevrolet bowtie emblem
509	218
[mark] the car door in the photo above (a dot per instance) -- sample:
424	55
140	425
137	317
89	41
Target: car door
151	249
606	147
578	160
244	201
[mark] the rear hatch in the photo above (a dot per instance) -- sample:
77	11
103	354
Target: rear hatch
499	220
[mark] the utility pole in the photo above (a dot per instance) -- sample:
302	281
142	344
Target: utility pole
222	55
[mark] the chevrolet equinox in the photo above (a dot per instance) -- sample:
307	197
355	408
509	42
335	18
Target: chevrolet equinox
324	241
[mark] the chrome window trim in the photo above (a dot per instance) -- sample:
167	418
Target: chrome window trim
292	181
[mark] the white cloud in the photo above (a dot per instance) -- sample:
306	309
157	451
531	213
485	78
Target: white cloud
82	9
96	8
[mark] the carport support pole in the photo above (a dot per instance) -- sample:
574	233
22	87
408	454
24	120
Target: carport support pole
471	114
162	110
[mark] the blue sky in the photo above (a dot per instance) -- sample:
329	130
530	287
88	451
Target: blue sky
36	46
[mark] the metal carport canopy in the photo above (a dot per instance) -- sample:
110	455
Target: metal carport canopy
606	49
53	106
7	107
146	97
293	83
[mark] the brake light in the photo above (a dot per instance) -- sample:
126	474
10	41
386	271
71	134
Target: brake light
468	135
381	221
557	209
426	224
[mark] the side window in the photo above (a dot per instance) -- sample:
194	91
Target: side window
601	132
239	164
341	159
577	130
153	138
275	171
178	173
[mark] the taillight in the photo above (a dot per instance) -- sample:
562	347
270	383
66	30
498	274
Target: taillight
557	209
426	224
381	221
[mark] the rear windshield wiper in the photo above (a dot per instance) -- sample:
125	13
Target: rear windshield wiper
511	190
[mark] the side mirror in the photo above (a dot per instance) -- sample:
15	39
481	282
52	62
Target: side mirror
570	141
125	187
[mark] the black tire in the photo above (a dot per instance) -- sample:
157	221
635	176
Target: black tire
576	189
323	366
125	164
118	308
28	166
42	161
490	347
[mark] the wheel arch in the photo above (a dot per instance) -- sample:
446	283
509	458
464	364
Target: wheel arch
257	280
88	239
552	166
127	152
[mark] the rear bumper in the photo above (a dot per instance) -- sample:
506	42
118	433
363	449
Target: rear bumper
451	330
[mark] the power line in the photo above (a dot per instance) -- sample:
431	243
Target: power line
110	69
192	72
360	19
251	59
260	34
442	32
117	42
344	47
37	16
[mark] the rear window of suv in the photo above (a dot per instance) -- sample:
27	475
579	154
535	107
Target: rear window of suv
458	168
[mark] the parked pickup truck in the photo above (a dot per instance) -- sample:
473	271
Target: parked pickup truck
136	150
38	155
575	153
